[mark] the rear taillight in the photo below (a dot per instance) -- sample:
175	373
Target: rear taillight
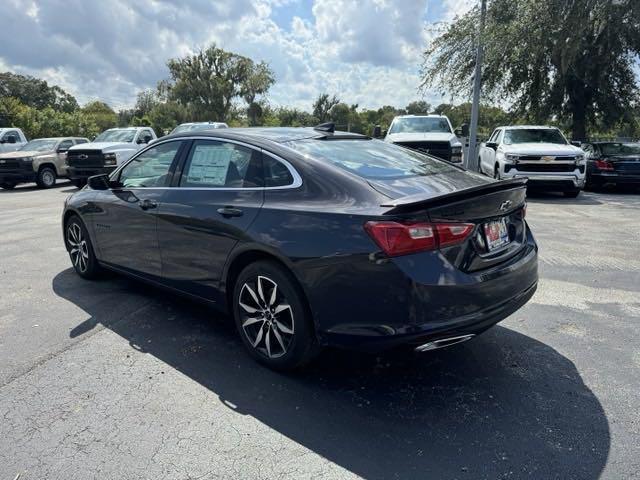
396	238
604	165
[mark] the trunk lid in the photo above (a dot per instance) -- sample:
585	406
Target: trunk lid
625	163
464	198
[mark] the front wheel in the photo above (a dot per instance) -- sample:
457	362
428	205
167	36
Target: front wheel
272	317
46	177
80	249
572	193
496	172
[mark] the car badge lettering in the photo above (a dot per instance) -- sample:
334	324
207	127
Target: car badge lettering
505	205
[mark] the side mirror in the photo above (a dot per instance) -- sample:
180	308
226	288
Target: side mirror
377	132
99	182
493	145
458	132
576	143
384	132
62	150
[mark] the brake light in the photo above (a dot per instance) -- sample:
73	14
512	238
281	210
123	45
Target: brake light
396	238
604	165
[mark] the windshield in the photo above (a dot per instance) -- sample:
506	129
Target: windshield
420	125
41	145
534	135
372	159
196	127
620	148
116	135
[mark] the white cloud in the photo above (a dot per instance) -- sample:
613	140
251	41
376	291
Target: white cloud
366	52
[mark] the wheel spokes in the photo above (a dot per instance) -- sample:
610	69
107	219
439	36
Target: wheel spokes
251	321
283	328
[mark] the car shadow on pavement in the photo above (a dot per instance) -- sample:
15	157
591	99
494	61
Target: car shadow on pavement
503	405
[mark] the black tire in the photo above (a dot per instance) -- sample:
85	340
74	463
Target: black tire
572	193
7	185
496	172
480	166
80	249
46	177
288	340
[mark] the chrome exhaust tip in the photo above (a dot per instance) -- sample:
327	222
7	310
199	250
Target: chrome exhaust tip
444	342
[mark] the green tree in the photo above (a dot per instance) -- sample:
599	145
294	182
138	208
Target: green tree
101	114
322	106
571	60
164	117
34	92
259	80
208	82
418	107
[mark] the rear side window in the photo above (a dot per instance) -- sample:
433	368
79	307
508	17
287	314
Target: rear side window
216	164
81	140
373	159
276	174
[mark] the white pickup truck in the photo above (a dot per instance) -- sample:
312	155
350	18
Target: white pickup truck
430	134
542	154
11	139
108	150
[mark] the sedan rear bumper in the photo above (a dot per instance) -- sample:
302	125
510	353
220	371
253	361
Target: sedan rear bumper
613	177
416	299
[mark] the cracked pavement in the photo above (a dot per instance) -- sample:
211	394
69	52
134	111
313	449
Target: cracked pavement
114	379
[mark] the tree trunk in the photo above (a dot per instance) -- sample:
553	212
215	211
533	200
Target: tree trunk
578	107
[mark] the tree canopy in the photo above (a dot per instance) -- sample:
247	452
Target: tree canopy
35	92
550	59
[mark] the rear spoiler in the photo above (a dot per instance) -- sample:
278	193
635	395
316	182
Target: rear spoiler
420	201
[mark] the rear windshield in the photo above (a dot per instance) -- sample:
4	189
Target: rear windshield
371	159
620	148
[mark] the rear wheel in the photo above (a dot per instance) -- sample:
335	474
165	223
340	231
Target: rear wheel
272	318
572	193
80	249
7	185
46	177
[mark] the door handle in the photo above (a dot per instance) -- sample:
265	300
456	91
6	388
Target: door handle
230	212
147	204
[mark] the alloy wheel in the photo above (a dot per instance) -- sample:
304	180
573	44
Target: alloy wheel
266	317
48	178
78	248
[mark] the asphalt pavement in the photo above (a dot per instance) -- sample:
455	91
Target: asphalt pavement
112	379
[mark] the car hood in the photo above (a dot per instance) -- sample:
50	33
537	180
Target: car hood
429	186
104	146
423	137
542	149
25	153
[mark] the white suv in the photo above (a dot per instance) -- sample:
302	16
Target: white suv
542	154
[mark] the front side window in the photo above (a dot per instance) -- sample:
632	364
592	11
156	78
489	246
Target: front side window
214	164
372	159
534	135
420	125
11	133
150	168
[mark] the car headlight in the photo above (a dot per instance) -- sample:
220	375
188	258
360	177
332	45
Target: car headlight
511	157
26	159
456	150
110	158
580	158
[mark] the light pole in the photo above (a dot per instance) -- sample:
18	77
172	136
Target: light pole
472	155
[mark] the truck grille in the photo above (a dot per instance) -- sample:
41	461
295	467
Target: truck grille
437	149
546	167
9	164
85	158
533	158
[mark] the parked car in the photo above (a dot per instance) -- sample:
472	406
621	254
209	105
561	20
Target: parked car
431	134
42	161
612	162
11	139
108	150
312	238
196	126
541	154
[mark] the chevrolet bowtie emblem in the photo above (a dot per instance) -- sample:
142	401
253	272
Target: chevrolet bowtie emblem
505	205
83	156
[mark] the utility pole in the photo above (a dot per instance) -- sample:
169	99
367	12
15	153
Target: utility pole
472	155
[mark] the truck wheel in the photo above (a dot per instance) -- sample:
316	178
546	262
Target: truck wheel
572	193
46	177
7	185
496	172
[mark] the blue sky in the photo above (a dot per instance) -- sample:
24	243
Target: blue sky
365	51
